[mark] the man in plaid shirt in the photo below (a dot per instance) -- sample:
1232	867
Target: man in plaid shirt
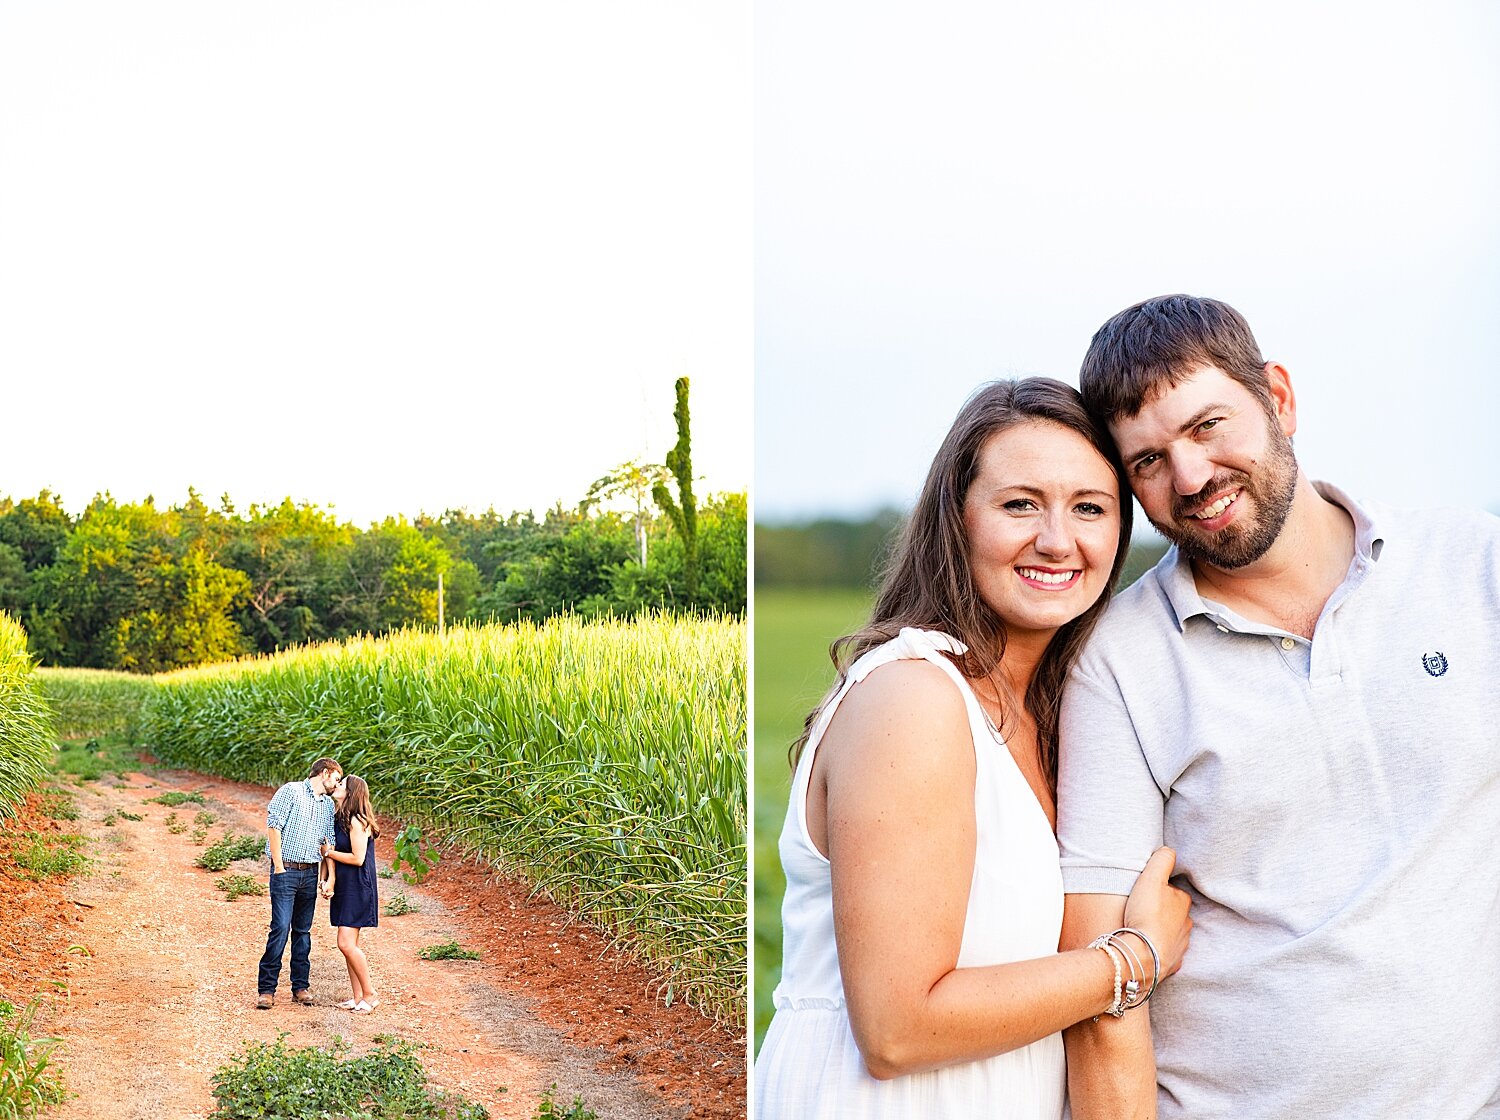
299	817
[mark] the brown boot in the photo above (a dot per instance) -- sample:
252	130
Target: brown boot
265	1001
304	997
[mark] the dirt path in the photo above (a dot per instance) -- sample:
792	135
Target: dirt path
160	975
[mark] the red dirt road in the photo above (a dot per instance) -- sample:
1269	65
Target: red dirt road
149	978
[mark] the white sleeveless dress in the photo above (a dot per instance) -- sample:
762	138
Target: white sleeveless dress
809	1067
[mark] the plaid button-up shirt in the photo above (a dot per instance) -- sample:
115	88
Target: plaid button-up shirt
304	818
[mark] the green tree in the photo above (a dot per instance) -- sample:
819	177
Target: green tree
567	564
387	579
182	613
288	552
682	511
14	581
134	587
636	481
36	527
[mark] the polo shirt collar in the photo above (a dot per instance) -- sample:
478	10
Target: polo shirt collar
1176	572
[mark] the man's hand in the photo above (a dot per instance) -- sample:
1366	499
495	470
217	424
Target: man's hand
273	847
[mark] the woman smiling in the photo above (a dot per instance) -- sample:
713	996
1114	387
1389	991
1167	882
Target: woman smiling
924	901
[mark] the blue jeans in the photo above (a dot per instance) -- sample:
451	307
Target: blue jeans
294	897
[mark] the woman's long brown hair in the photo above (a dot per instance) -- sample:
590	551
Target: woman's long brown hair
928	581
357	804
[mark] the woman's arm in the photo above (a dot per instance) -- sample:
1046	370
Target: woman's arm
892	805
359	837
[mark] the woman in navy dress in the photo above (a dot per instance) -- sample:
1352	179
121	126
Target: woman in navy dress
355	902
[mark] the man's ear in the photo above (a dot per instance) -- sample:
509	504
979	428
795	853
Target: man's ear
1283	397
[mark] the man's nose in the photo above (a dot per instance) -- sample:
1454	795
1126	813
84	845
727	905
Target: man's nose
1191	470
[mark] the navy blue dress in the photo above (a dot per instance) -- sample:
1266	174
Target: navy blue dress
356	894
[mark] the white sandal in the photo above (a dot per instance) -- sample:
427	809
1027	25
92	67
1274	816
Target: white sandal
349	1004
362	1008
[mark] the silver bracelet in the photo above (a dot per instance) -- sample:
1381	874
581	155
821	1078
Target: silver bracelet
1155	961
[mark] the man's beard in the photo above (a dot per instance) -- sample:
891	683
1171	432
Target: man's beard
1243	541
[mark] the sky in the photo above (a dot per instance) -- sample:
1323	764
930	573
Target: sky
384	257
970	193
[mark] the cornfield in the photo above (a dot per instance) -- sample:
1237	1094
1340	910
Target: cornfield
605	761
90	703
25	721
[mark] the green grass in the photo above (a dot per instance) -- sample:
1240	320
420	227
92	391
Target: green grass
793	629
176	797
26	722
275	1080
230	847
398	904
58	856
236	885
59	806
548	1109
604	761
88	760
447	951
27	1085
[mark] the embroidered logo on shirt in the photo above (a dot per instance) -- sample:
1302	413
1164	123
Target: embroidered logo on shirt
1435	663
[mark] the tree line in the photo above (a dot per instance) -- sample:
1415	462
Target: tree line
126	585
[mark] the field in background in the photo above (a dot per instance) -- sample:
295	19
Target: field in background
95	703
793	628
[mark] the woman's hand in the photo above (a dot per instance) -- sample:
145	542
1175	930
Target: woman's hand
1160	911
325	888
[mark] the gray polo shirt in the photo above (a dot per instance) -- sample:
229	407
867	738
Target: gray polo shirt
1335	807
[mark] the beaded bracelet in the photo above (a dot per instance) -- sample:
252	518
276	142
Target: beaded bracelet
1127	993
1116	1007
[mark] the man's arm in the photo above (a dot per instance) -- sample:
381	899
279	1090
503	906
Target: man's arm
1111	1063
273	842
1110	814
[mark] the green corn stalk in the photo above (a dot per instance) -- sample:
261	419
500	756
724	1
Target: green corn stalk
26	743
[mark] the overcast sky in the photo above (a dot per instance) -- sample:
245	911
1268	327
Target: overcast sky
968	190
391	257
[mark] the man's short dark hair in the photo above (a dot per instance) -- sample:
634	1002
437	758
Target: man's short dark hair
1147	348
324	764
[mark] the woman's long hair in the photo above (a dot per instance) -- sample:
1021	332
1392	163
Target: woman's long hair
928	581
357	804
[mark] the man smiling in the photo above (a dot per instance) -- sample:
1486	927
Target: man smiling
1299	698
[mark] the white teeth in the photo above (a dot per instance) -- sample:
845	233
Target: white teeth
1217	508
1046	577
